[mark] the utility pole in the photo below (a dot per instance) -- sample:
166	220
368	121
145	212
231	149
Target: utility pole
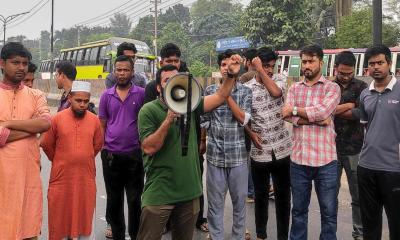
377	21
6	20
52	41
156	2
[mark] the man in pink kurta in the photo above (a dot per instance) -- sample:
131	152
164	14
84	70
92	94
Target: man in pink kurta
23	114
72	143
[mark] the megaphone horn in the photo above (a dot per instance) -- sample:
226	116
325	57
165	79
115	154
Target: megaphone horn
176	93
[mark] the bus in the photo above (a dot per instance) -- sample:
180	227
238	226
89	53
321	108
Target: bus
94	60
289	62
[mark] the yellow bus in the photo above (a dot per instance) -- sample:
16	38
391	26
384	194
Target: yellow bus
94	60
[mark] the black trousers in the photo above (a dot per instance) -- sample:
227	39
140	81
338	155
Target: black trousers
280	171
123	173
200	218
378	190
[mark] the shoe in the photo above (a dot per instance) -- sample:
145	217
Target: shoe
250	200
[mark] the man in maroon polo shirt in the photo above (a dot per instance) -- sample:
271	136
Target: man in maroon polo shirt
121	155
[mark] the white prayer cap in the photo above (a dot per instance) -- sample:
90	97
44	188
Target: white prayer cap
80	86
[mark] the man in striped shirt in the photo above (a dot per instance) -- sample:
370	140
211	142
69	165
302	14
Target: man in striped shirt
310	106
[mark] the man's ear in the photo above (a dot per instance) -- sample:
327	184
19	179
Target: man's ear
2	64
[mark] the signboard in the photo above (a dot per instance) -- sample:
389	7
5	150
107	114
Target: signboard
231	43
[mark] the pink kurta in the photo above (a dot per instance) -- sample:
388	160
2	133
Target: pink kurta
20	184
72	144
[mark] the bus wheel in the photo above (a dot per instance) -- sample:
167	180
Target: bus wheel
99	77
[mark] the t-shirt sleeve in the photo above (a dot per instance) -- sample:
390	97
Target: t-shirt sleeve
363	113
103	114
146	123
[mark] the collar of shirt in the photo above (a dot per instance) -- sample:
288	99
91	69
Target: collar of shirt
322	80
389	86
10	87
234	89
113	90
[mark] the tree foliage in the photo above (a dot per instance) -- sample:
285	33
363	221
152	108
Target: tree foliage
355	31
120	25
174	33
281	24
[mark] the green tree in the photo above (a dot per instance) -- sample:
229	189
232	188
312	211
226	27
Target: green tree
175	14
277	23
173	32
355	31
144	30
44	44
199	69
120	25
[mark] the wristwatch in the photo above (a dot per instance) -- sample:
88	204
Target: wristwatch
294	112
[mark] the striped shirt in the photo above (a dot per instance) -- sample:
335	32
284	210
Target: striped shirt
314	145
267	121
226	141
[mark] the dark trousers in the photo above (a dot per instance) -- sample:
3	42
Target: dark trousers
378	190
123	173
280	171
200	217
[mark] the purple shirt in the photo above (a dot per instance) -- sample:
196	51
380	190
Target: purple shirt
121	134
64	103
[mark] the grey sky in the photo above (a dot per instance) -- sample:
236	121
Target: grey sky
67	13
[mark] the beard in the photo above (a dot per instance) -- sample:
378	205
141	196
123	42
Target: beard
309	74
123	84
79	113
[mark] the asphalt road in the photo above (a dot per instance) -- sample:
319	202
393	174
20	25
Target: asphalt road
344	217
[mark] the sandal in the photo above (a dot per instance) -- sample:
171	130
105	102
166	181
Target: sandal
108	232
247	236
203	227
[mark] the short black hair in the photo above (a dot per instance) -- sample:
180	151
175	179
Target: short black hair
67	68
183	67
227	54
378	49
250	54
313	50
266	55
14	49
125	46
124	58
31	67
166	68
169	50
346	58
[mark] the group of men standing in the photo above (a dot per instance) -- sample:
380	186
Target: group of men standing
341	124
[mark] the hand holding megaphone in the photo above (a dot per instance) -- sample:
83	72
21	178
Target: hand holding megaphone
171	116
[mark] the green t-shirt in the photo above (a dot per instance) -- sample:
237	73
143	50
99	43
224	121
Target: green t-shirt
170	177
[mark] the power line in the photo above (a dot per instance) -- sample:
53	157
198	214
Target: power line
29	16
109	13
30	10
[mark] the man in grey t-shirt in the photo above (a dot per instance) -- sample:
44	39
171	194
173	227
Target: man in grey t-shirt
379	165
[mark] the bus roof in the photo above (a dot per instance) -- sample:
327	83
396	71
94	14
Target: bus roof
142	47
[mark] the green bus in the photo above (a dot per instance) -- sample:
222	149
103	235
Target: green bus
94	60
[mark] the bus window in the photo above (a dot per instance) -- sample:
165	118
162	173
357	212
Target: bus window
397	63
294	66
93	56
62	56
79	57
73	57
358	59
365	67
86	57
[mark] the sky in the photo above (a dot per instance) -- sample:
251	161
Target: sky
68	13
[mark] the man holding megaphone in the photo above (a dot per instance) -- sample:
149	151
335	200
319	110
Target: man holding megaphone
173	184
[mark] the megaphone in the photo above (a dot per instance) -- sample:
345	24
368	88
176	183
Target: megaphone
182	94
178	90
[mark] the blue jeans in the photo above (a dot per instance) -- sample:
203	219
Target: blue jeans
325	181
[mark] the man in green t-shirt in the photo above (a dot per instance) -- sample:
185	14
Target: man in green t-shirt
173	184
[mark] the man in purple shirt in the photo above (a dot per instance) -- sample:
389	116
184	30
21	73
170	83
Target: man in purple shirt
121	155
